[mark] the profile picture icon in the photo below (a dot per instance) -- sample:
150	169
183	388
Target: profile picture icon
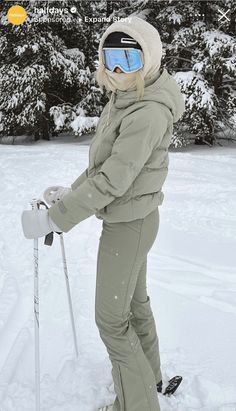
16	15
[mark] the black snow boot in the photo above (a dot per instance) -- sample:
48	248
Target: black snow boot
172	386
159	386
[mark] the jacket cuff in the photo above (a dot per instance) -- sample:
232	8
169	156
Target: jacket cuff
57	217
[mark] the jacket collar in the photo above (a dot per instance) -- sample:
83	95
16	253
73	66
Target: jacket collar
122	99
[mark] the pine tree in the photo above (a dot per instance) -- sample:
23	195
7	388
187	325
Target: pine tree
45	80
201	54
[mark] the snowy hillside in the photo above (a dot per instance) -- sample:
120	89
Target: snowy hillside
191	284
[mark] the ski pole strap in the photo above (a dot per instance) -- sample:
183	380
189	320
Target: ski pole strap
48	240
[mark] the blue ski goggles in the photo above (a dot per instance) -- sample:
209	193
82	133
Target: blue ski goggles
128	60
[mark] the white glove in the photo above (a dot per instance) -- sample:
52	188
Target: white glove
37	223
55	193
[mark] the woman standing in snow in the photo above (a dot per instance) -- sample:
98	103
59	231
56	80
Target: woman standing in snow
128	164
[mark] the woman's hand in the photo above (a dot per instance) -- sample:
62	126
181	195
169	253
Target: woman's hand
37	223
55	193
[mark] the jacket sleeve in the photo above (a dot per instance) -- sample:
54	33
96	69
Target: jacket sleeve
79	180
139	134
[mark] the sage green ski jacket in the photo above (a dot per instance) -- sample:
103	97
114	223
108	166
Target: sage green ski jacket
128	157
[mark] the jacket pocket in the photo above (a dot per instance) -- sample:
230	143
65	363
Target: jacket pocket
135	225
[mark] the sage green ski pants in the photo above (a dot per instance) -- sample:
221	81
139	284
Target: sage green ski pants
123	313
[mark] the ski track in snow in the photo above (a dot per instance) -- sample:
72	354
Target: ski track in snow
191	283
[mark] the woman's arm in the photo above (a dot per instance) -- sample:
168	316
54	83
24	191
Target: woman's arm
140	132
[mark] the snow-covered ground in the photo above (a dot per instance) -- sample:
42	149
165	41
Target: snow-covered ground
191	283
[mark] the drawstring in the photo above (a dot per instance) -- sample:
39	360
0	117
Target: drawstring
109	109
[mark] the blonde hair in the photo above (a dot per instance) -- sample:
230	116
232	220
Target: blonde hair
140	84
100	76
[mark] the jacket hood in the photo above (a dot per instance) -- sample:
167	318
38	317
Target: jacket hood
146	35
162	88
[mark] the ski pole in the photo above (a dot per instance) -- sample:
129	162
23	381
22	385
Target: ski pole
36	318
68	292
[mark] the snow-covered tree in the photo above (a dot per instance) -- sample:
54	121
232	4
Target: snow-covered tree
47	69
45	73
200	52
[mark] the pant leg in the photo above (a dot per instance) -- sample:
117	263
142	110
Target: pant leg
143	321
122	249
